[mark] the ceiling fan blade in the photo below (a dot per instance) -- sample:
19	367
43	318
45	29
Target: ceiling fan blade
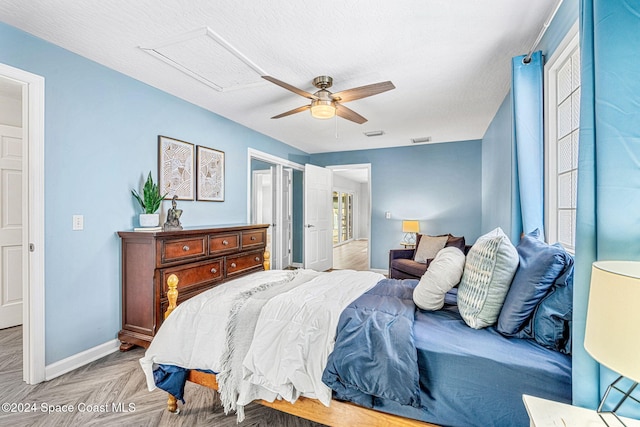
362	91
294	111
349	114
289	87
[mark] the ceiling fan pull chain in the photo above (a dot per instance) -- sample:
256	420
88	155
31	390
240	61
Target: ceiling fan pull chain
336	120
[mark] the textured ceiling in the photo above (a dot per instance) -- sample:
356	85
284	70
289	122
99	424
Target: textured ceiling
449	60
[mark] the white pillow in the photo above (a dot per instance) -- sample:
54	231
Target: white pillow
443	273
428	247
491	264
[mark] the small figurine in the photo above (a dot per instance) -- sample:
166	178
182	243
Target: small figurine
173	216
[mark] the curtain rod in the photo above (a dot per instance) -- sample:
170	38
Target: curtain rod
542	31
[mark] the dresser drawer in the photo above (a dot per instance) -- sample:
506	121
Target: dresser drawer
220	244
193	275
179	249
242	263
253	239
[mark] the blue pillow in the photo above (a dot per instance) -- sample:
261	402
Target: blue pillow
540	265
550	324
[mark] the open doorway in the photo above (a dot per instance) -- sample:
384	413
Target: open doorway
351	216
22	114
276	199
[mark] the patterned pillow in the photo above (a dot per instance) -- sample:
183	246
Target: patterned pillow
490	266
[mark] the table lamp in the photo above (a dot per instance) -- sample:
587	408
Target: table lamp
410	228
613	319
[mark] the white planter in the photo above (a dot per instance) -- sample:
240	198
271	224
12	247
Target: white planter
149	220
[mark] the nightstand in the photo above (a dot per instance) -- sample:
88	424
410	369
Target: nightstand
547	413
408	245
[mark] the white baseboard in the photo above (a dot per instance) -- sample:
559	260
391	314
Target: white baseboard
80	359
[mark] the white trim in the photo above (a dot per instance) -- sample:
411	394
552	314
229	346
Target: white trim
33	286
562	52
273	159
259	155
80	359
366	166
279	163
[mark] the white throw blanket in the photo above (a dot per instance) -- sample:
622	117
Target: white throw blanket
293	336
193	337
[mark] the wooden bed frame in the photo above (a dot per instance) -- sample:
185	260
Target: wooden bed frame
338	414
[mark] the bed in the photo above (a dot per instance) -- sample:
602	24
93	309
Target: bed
455	375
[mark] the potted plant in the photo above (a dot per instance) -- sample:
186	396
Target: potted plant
150	203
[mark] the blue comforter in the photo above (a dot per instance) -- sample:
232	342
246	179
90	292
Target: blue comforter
375	354
431	366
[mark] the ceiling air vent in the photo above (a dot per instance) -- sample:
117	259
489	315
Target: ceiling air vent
421	140
374	133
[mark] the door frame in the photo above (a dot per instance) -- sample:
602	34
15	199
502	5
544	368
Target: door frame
280	163
367	167
33	280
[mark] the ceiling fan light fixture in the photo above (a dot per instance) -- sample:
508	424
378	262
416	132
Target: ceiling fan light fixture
322	109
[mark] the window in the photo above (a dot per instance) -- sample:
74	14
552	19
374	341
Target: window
342	217
563	124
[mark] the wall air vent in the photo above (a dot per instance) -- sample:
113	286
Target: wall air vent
420	140
374	133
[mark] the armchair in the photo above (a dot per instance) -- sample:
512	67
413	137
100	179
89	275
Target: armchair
402	265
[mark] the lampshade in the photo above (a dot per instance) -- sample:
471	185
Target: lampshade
613	317
322	109
410	227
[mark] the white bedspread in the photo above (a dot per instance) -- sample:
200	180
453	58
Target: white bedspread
296	332
293	337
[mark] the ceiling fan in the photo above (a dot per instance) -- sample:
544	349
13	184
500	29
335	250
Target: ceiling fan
325	104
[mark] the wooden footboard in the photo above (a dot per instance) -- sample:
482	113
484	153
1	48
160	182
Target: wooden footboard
338	414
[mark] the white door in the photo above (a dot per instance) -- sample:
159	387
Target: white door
318	224
263	209
10	226
287	215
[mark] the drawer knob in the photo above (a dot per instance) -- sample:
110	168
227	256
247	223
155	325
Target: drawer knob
185	248
233	265
214	271
224	242
253	237
257	259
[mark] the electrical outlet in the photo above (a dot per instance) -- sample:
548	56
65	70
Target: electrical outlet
78	222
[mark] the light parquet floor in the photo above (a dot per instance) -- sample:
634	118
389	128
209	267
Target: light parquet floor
353	255
115	379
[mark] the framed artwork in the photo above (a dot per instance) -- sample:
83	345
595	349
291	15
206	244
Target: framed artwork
175	168
210	174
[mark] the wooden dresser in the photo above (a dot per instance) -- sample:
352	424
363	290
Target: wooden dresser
201	257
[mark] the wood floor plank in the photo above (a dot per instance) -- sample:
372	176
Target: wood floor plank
353	255
115	379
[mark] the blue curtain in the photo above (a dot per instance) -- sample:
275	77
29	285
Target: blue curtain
608	204
528	135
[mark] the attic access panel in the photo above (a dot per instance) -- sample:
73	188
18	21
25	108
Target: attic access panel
208	58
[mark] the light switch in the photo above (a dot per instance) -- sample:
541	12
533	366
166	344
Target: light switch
387	215
78	222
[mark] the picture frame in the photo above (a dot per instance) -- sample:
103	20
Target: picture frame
175	168
210	174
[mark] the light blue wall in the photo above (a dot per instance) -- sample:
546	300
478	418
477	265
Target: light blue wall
497	172
500	194
438	184
101	131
